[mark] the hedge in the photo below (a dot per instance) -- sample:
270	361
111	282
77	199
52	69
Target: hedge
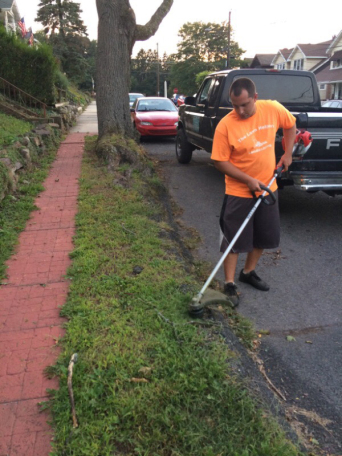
31	68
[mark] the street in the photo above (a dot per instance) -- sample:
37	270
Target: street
304	301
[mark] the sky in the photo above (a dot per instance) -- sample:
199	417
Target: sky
259	27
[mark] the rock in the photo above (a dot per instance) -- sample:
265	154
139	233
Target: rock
25	153
26	141
42	132
18	165
37	141
137	270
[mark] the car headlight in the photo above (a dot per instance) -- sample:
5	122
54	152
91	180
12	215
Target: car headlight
146	123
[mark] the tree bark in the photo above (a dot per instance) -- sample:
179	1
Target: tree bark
117	33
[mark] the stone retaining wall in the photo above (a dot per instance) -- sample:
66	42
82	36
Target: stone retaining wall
20	156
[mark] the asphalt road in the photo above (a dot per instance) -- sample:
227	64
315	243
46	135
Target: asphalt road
305	299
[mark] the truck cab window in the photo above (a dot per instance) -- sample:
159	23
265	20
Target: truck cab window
215	91
203	96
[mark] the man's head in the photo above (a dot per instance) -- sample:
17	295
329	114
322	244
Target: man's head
243	96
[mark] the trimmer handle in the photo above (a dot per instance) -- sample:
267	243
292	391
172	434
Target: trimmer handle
278	171
271	194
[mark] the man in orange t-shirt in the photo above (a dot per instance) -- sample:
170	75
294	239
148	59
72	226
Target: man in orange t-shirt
243	149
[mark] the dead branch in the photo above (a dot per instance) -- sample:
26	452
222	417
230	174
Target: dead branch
72	362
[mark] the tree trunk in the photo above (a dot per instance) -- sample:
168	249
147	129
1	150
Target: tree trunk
117	33
115	42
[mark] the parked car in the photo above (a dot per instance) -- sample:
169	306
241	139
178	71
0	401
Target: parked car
318	168
154	116
133	97
332	104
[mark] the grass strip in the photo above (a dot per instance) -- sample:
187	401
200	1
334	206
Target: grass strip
147	381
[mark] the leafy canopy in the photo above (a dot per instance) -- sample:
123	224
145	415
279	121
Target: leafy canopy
61	15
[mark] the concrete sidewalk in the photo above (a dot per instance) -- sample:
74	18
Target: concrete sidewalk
30	302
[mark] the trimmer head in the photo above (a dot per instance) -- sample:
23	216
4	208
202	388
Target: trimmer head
199	302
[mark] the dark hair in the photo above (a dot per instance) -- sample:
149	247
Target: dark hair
241	84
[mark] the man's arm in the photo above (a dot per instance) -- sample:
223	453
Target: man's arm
289	136
232	171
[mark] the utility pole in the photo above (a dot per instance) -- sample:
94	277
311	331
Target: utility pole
158	92
228	51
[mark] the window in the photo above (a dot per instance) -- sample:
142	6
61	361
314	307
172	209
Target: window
214	92
291	90
203	96
298	64
322	87
337	63
280	66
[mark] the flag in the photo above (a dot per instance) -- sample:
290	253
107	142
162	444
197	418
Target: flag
22	26
30	41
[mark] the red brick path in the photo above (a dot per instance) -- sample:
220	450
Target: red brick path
30	325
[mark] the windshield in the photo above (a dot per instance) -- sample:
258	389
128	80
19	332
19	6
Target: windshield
287	89
132	98
156	105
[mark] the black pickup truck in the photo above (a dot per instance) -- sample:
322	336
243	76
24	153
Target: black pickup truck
320	168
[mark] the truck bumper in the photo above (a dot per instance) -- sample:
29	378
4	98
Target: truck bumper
315	181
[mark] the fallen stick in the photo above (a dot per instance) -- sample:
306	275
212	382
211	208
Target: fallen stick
72	362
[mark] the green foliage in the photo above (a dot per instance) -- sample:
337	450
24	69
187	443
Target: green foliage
208	42
184	72
30	68
201	76
203	48
11	128
147	380
61	80
62	16
75	53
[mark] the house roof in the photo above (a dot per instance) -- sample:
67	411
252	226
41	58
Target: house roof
6	4
263	60
325	74
334	42
319	65
337	55
286	52
318	50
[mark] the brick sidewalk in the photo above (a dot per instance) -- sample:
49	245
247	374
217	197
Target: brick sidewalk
30	325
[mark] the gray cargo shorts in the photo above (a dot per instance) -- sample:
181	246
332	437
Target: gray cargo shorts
261	232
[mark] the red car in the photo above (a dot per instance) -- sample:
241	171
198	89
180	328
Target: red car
155	116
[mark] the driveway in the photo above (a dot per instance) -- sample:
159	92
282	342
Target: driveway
305	299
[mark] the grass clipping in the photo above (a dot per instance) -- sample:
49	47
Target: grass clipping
147	381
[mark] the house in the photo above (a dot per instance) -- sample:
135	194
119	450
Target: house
329	73
280	61
301	57
262	61
9	14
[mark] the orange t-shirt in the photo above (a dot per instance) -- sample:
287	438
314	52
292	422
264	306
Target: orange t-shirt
249	144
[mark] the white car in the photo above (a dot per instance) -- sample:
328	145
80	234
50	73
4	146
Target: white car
133	97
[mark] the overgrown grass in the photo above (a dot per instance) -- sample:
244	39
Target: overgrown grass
11	128
148	380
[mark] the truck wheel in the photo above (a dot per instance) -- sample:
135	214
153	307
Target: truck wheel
183	148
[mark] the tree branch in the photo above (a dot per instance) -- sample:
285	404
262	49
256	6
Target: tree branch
144	32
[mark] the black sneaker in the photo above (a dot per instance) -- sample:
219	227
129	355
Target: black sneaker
253	279
230	289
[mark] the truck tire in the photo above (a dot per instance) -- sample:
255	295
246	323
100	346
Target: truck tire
183	148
